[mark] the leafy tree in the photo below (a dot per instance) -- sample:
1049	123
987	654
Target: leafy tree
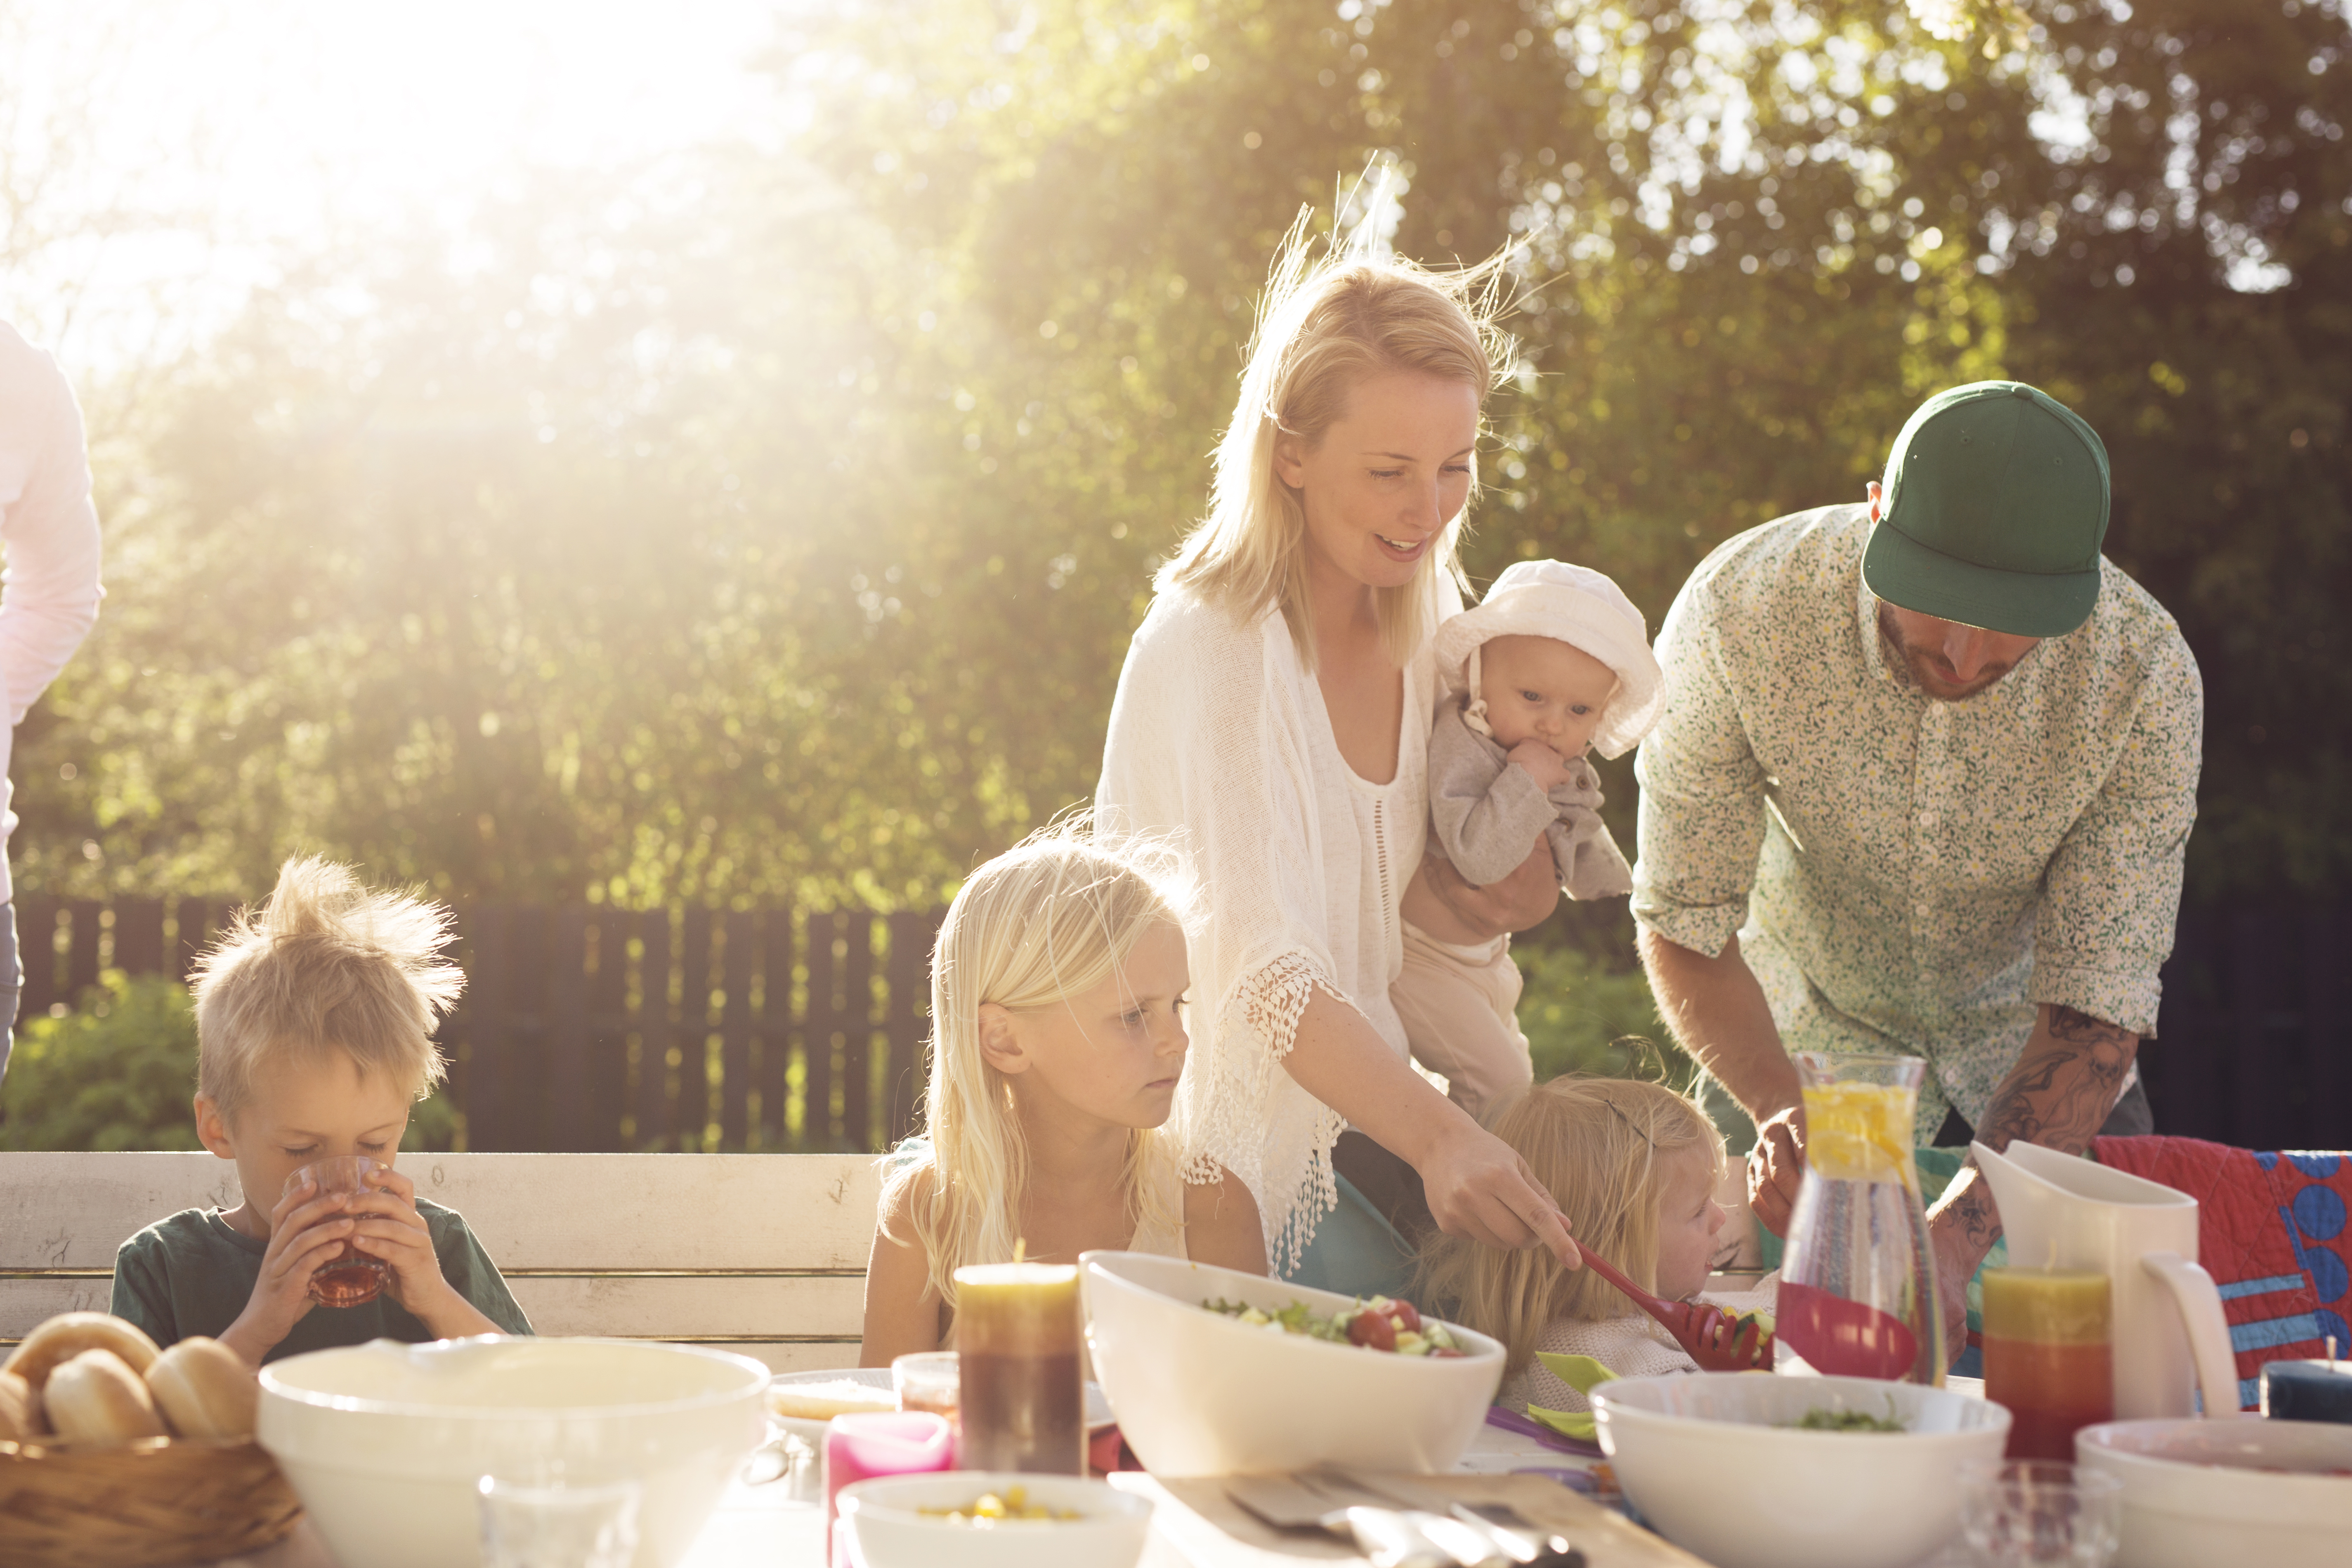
118	1071
747	528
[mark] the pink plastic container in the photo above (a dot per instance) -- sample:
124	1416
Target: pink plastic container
858	1447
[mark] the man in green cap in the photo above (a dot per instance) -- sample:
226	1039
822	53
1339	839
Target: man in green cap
1925	778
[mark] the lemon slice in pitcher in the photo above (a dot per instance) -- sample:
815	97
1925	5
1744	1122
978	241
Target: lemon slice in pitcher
1860	1132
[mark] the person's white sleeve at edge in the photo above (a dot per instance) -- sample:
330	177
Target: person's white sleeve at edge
48	529
47	525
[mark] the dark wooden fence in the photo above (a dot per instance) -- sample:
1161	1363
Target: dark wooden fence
591	1029
586	1029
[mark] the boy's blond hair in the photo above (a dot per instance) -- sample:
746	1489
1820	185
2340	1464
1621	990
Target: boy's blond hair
1599	1145
326	965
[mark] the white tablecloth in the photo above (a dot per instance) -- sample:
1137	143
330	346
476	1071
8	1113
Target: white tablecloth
768	1527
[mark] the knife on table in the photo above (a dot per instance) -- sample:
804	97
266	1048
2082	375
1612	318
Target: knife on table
1468	1545
1518	1542
1385	1537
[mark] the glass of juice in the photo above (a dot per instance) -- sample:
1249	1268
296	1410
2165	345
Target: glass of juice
2048	1356
929	1380
350	1277
1023	1403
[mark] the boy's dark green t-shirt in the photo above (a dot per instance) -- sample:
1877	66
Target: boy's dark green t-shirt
192	1274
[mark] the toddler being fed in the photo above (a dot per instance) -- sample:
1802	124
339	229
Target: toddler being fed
1553	664
1634	1167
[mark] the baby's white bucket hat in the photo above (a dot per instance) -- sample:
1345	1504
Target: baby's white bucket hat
1579	606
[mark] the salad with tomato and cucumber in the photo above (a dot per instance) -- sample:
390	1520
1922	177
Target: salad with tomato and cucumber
1378	1323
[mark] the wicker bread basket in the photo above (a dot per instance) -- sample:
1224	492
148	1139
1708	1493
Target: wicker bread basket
157	1503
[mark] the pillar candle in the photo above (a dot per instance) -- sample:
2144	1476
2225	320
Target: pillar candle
2308	1390
1023	1400
2047	1356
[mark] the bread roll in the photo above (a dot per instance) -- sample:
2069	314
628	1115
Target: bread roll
20	1410
823	1401
69	1334
95	1398
204	1391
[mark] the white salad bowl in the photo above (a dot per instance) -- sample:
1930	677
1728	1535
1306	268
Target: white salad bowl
2201	1492
384	1442
1714	1460
1200	1393
885	1518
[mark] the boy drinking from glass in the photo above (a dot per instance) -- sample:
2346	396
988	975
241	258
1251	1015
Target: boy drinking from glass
314	1019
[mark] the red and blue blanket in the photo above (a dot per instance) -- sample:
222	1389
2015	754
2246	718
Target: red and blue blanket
2270	1231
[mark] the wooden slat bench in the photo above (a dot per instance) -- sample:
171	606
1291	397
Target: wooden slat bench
764	1254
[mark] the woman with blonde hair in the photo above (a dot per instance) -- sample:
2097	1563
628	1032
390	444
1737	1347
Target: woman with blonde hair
1058	1042
1274	712
1634	1167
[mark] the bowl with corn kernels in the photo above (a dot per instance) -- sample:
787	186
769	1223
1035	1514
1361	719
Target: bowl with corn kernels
978	1518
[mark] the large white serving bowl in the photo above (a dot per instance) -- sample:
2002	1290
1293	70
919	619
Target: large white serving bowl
885	1518
1712	1460
2202	1492
386	1442
1200	1393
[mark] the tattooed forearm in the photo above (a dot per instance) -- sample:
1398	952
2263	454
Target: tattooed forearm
2065	1084
1969	1207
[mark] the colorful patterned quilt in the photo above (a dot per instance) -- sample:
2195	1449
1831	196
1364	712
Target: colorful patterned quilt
2270	1231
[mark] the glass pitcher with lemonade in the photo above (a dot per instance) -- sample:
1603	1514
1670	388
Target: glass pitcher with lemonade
1857	1280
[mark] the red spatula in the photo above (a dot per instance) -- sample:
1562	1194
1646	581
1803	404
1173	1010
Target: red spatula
1843	1337
1709	1333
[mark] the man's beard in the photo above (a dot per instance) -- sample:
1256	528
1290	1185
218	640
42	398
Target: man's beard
1930	672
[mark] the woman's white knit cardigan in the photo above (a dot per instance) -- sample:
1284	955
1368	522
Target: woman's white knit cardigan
1219	738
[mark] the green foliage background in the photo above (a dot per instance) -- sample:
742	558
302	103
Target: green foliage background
758	524
118	1071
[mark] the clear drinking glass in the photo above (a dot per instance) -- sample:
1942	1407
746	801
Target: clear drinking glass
1857	1282
929	1380
2032	1512
352	1278
537	1523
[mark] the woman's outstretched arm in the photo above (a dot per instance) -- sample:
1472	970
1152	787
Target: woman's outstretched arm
1477	1185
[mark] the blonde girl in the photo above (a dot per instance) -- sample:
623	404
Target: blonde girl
1275	714
1634	1167
1058	1043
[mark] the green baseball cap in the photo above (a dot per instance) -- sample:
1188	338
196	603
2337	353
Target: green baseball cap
1994	507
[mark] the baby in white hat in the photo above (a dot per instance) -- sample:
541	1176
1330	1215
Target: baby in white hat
1555	662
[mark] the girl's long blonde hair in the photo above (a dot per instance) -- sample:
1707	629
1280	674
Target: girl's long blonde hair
1323	327
1598	1144
1052	917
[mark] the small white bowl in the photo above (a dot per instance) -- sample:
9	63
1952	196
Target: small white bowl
884	1519
2202	1492
1200	1393
384	1442
1714	1461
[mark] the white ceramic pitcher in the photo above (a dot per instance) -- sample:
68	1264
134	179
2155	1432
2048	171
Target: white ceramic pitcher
2061	1211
